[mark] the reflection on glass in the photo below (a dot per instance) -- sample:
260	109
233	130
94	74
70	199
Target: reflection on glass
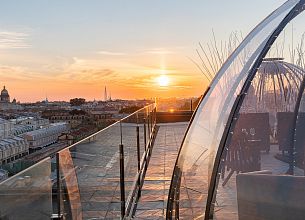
28	195
261	172
70	185
90	169
129	141
192	175
84	179
93	171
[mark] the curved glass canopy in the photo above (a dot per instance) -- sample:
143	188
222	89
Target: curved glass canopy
243	148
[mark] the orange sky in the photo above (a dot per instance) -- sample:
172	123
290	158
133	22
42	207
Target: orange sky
64	50
126	76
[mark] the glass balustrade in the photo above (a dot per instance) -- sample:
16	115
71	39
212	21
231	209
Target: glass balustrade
98	177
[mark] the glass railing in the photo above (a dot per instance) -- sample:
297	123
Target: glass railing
28	195
98	177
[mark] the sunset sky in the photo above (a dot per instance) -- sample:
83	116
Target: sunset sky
66	49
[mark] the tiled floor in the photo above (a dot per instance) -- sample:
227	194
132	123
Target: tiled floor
96	164
152	204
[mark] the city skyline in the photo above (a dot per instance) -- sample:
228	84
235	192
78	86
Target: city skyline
164	109
66	51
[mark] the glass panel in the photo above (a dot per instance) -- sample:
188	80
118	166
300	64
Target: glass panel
299	137
143	139
84	179
129	131
69	192
28	195
148	123
261	174
196	159
133	163
91	176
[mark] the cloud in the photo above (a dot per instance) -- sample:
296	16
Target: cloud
88	76
96	75
13	40
182	86
85	71
103	52
159	51
150	82
13	73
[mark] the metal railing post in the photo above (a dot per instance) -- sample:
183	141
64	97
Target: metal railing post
58	187
155	116
151	121
148	126
122	178
145	138
154	113
139	159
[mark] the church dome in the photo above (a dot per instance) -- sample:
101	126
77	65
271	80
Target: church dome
5	97
4	92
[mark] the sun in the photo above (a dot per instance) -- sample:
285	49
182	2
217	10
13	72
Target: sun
163	80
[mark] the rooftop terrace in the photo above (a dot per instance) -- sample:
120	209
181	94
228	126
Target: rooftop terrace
153	200
123	170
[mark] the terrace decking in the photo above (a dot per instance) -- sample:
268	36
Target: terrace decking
153	200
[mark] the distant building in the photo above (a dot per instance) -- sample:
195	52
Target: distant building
21	125
78	134
6	128
74	117
101	118
3	174
20	129
13	148
46	136
34	122
5	103
4	97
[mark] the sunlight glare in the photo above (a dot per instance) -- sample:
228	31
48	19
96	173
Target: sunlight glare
163	80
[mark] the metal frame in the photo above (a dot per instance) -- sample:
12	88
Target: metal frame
170	198
291	149
125	203
295	118
297	9
131	202
122	175
212	84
